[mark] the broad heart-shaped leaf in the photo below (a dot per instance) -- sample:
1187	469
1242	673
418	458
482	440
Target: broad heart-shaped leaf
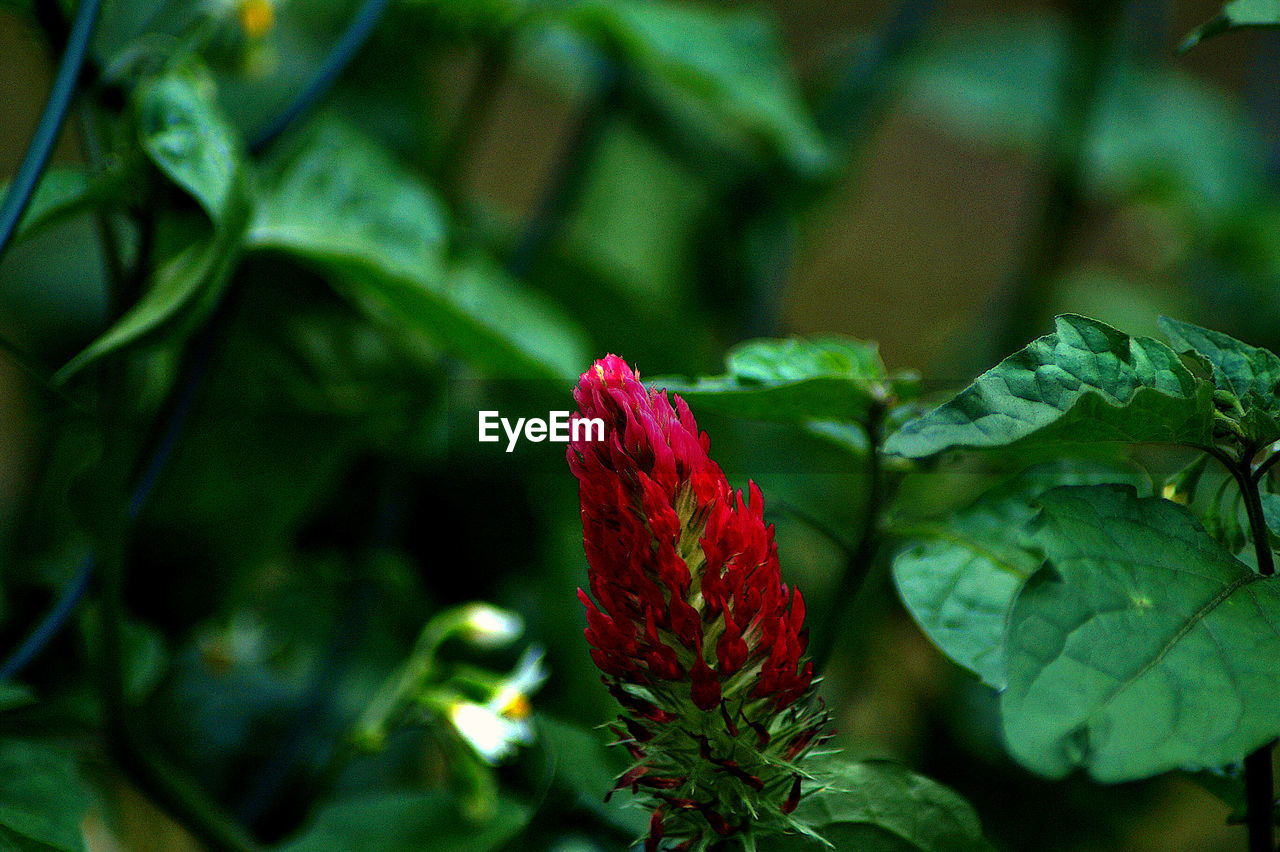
1085	383
1141	647
1251	374
960	575
730	63
1236	14
424	822
881	806
41	798
183	131
792	380
343	204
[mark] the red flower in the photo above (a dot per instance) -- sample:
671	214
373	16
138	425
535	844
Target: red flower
688	616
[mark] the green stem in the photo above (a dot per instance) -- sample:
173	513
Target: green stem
863	556
494	60
1259	780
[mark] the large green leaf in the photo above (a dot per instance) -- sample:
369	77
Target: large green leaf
183	131
959	577
343	204
1251	374
729	62
41	798
1236	14
792	380
1087	382
1141	647
412	821
881	806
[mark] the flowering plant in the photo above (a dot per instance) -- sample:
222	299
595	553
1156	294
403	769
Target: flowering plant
688	618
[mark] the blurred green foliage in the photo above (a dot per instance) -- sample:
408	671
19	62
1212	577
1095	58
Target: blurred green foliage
319	318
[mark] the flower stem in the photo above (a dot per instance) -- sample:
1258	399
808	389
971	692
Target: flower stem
1259	779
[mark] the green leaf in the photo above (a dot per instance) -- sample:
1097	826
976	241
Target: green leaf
343	204
419	821
41	797
1251	374
1085	383
792	380
585	766
186	287
1141	647
63	193
879	805
15	695
961	575
730	63
1236	14
183	131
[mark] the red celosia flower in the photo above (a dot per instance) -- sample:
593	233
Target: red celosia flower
691	622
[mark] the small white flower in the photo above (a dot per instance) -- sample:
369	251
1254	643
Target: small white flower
492	735
496	727
490	627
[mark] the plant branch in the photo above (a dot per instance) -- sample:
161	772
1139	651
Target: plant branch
1259	779
357	33
33	163
862	558
492	67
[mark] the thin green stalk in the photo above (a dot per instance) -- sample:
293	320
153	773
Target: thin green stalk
862	558
492	68
1259	779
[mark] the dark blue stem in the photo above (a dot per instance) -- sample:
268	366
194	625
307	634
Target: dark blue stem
55	112
332	67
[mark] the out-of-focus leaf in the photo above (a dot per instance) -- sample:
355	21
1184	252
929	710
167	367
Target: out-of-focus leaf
188	283
1236	14
419	821
589	770
1153	128
63	193
881	806
344	205
14	695
1142	647
41	798
183	131
1087	382
731	62
792	380
960	576
1250	374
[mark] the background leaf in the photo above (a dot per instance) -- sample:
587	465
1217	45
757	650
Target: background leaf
880	805
41	797
419	821
791	380
1237	13
345	205
181	127
1142	647
1087	382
